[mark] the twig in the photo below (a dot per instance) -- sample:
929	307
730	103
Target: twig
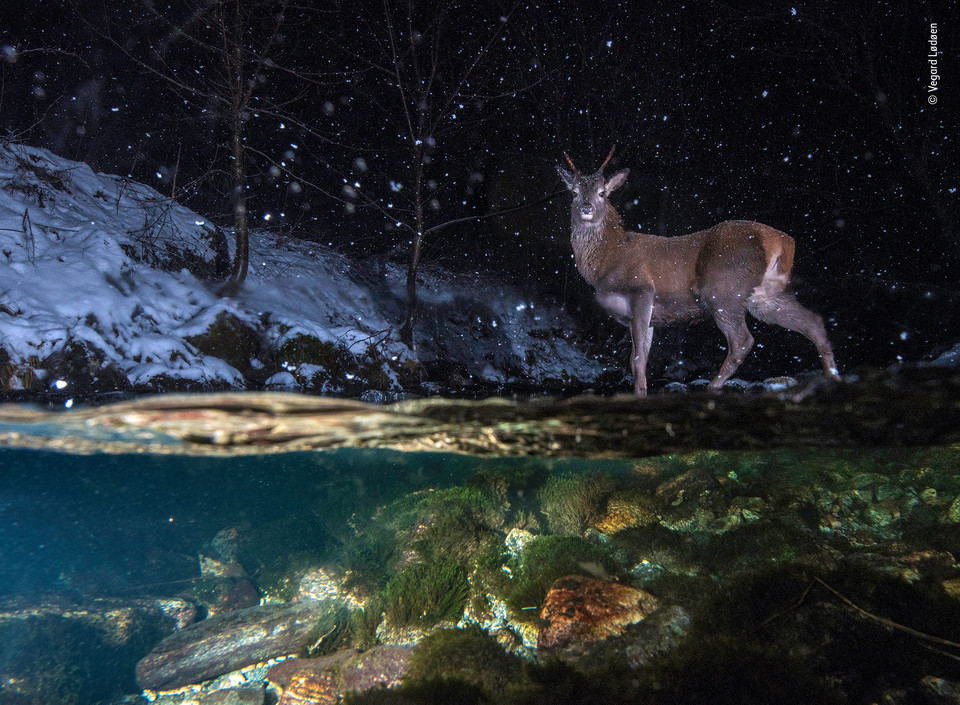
887	622
790	608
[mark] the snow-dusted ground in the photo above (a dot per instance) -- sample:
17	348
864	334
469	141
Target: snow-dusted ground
99	267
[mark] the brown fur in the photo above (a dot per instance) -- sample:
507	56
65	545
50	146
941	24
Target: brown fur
725	271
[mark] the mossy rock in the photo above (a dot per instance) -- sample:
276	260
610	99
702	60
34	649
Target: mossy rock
469	656
85	369
306	349
573	502
547	558
229	339
62	661
458	523
422	595
365	557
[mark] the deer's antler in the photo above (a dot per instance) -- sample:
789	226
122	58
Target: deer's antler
607	160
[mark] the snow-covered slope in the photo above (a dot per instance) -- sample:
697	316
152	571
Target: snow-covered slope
106	284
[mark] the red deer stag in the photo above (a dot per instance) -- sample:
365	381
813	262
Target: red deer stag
644	280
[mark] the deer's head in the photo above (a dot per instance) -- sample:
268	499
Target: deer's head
590	191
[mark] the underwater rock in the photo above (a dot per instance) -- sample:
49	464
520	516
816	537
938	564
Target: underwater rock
228	642
56	649
691	501
227	544
624	513
898	560
408	634
326	679
212	568
310	689
952	588
639	644
224	586
244	695
940	690
516	540
222	595
283	673
324	584
114	618
496	619
381	666
581	611
952	515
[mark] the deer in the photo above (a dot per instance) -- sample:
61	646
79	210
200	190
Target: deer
734	268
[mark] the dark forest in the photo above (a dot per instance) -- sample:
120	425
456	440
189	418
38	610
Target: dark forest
429	132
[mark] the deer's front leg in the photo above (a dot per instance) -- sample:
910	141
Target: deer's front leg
641	332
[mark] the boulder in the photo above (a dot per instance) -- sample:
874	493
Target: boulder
580	611
231	641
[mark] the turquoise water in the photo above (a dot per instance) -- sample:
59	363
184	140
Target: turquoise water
105	524
801	576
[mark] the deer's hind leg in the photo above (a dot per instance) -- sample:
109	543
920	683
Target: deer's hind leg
783	309
733	325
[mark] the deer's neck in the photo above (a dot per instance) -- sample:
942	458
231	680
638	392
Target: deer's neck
595	244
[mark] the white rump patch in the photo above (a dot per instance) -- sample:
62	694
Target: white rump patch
772	285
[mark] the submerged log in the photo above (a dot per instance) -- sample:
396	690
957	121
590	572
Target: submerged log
905	407
229	642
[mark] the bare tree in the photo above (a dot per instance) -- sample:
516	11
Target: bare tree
214	56
428	74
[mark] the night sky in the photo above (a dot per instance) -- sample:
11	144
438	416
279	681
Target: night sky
815	118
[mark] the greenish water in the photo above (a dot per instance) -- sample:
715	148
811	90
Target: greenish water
751	546
105	523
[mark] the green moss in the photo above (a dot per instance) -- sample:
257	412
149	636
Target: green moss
459	523
729	669
60	661
229	339
365	557
488	575
573	502
364	623
433	692
332	631
424	594
301	349
468	656
511	480
547	558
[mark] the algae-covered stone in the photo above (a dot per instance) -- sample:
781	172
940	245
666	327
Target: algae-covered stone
58	651
229	339
952	515
327	679
580	611
624	512
230	641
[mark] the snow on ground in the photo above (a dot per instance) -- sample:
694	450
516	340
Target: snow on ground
112	268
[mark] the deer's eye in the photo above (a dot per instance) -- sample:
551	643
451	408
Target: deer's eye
602	193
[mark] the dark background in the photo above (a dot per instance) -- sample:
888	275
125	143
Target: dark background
810	117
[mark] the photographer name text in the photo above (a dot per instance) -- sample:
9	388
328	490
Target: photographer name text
933	59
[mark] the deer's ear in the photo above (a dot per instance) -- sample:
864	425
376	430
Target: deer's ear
616	181
568	177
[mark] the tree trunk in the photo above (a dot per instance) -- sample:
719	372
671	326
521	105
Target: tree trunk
241	225
407	330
